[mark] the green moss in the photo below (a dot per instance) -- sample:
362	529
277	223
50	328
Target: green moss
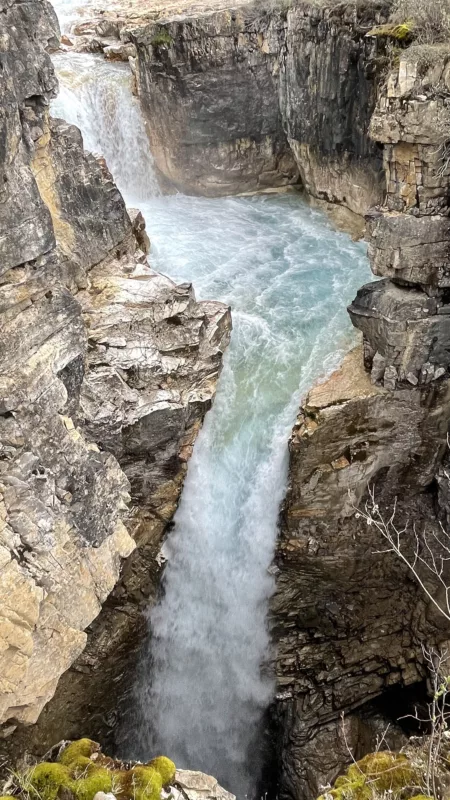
7	797
45	780
165	767
399	32
121	782
376	773
145	783
74	750
79	766
416	797
162	37
97	779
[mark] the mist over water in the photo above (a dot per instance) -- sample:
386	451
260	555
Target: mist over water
202	686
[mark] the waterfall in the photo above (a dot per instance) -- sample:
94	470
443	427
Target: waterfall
204	680
96	96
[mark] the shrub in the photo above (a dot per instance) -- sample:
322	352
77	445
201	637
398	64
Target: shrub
162	37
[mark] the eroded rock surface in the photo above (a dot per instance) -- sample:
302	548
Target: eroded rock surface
348	619
248	98
106	372
209	85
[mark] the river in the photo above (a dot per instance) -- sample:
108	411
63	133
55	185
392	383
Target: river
201	687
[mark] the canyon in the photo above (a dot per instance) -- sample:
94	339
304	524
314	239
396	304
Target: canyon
108	368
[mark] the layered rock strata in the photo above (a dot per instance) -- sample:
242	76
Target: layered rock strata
255	97
106	372
348	619
252	96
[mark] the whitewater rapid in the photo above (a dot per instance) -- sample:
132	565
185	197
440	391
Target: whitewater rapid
202	684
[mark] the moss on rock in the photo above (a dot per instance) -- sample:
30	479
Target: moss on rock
422	797
80	748
165	767
400	33
79	766
82	770
145	783
97	779
377	773
46	779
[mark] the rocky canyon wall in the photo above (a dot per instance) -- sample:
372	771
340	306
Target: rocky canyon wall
106	371
259	96
349	621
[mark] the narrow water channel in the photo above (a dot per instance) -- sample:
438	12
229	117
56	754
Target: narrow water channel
201	687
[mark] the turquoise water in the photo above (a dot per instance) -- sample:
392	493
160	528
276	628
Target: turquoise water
288	276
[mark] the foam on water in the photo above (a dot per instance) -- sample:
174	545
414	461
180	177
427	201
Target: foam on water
201	690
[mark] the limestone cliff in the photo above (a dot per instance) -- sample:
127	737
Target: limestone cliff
106	372
244	99
254	96
348	620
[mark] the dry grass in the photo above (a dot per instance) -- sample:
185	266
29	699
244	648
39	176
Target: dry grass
430	19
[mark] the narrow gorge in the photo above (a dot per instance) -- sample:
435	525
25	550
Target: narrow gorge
226	604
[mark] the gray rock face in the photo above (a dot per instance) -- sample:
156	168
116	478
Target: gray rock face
405	327
411	250
222	91
327	95
209	86
106	372
27	73
347	618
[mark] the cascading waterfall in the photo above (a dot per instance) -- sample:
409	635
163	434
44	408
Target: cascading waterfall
96	96
201	687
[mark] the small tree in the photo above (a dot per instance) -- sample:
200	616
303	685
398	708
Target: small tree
428	561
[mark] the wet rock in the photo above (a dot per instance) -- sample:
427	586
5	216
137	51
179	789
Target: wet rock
139	231
119	52
329	72
225	63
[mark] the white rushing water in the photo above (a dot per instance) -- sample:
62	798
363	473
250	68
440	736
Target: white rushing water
200	690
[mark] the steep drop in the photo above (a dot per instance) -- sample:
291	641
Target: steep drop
287	275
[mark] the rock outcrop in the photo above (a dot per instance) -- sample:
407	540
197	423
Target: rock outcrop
106	372
348	619
209	85
257	96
